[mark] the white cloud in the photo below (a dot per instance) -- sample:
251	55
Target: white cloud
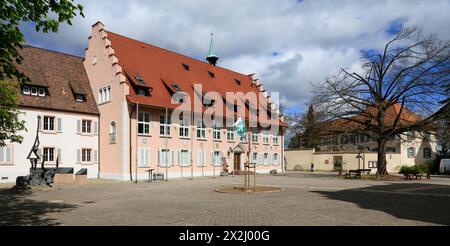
313	38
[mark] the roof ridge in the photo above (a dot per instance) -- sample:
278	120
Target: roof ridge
175	53
51	51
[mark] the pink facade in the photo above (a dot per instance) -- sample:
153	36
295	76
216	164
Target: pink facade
186	150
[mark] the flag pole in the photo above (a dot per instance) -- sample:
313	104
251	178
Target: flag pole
167	150
192	145
136	148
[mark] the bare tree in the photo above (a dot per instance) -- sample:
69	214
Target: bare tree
411	71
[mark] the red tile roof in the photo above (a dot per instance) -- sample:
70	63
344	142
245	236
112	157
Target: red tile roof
160	68
407	117
62	75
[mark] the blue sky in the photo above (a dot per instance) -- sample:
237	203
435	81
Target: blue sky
289	44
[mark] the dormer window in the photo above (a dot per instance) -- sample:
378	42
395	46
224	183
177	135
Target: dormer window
34	91
79	98
211	74
140	80
41	92
238	82
141	92
26	90
185	66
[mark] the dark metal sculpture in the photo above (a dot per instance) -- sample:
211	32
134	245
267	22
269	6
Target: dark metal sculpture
42	176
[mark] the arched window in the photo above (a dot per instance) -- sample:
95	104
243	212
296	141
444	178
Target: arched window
112	132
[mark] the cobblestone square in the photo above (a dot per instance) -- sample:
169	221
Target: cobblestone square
308	199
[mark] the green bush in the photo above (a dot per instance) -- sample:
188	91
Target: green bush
416	169
337	165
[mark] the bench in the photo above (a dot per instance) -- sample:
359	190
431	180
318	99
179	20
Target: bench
409	176
356	172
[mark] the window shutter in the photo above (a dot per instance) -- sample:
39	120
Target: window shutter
95	156
8	154
2	154
140	157
95	127
78	156
199	158
41	123
212	158
171	161
159	157
179	158
147	157
78	126
59	155
59	124
190	161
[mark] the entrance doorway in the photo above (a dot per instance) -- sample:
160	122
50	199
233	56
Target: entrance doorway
237	162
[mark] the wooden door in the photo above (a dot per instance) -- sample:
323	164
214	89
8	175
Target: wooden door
237	162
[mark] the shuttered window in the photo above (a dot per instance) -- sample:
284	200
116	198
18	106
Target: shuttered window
6	155
144	157
165	157
201	158
184	158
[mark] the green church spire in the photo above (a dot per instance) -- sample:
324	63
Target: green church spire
212	57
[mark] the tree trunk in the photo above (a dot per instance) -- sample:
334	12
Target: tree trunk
381	158
381	141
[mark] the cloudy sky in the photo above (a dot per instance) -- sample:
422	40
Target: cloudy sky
288	43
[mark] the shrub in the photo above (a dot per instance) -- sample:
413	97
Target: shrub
337	165
416	169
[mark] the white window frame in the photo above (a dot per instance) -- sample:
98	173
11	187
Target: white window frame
79	98
372	164
255	157
165	158
201	130
49	123
41	90
26	90
230	133
86	125
86	155
265	137
145	124
201	158
47	153
34	93
104	94
266	160
217	158
275	140
4	155
184	158
144	157
254	137
184	128
164	126
276	159
216	133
